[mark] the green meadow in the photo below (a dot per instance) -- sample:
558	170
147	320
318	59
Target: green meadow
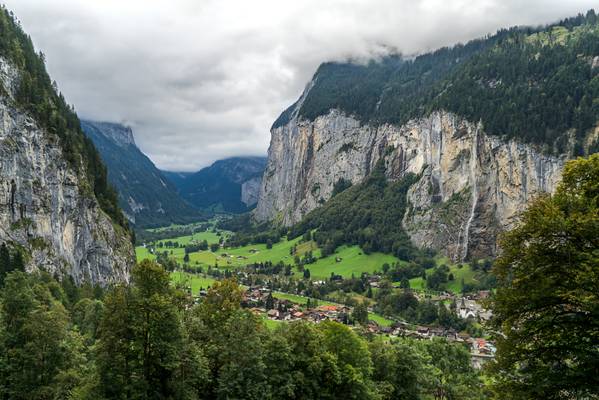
461	274
195	281
347	261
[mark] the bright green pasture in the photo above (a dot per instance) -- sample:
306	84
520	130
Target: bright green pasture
196	281
301	300
209	236
351	258
352	261
464	273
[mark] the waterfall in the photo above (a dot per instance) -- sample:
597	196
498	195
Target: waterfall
473	164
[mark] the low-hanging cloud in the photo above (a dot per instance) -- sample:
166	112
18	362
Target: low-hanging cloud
200	80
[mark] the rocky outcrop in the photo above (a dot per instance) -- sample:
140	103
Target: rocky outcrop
46	209
471	185
250	191
119	134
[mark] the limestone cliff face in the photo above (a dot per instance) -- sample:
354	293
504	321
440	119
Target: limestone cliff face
250	191
472	186
46	208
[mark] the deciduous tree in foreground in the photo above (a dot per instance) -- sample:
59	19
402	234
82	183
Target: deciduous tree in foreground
547	305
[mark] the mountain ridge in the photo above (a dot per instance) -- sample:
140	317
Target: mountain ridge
146	196
56	207
228	185
449	118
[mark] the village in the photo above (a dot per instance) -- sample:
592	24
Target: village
260	301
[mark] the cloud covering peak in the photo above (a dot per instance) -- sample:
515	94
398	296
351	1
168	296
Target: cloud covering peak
200	80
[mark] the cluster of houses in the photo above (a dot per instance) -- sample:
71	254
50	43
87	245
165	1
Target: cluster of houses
468	306
260	301
284	310
257	299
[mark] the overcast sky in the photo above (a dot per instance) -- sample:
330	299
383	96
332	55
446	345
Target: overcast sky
200	80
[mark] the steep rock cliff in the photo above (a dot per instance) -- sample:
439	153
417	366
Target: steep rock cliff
46	208
472	186
250	191
528	91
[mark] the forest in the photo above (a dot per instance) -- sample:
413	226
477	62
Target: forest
533	85
149	340
365	214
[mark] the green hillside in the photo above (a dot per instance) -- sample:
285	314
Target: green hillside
531	84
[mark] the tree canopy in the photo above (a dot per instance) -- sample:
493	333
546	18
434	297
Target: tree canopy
532	84
547	303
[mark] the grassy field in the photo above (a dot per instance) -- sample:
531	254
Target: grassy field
196	281
460	273
346	261
352	261
301	300
272	324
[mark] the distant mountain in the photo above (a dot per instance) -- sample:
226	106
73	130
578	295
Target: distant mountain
177	178
230	185
147	198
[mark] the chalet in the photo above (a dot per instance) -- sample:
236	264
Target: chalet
387	330
373	327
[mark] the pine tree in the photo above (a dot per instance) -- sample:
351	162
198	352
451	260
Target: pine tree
270	302
5	266
17	263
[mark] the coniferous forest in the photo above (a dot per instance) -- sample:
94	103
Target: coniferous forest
148	340
534	85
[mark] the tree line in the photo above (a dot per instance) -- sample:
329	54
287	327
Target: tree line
148	340
364	214
535	91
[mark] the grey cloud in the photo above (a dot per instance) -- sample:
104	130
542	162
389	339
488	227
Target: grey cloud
202	80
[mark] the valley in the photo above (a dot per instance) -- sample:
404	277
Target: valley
423	227
296	275
346	261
